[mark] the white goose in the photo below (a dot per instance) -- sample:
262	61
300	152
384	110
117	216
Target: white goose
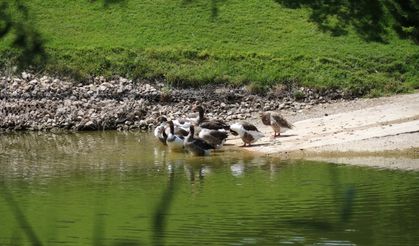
174	142
159	131
247	132
182	124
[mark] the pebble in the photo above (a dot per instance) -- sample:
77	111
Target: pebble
31	102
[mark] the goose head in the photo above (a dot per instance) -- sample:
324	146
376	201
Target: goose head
172	127
162	119
265	117
200	111
191	131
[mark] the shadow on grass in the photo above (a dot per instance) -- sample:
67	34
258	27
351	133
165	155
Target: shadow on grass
369	18
27	42
109	3
213	6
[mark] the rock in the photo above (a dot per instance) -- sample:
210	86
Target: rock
143	123
102	88
45	102
89	124
26	76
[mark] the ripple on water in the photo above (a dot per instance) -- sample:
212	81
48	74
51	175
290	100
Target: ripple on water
65	183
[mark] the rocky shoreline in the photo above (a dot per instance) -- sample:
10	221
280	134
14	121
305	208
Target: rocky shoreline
38	103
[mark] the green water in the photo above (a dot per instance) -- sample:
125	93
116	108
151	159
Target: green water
113	188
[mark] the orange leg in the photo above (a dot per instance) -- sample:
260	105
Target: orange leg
244	145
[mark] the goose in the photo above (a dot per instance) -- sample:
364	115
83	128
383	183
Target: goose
182	125
213	137
212	124
160	134
181	128
193	116
247	132
174	142
196	146
276	121
159	131
180	131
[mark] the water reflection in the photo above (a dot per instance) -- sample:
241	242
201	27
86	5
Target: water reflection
237	169
161	211
20	216
32	154
113	188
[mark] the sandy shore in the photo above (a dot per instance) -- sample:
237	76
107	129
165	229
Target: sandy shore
381	132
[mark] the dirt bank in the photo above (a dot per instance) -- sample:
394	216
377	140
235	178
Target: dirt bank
38	103
374	129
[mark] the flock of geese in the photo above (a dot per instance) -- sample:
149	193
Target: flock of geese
198	134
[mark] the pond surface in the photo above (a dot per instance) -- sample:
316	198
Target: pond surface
113	188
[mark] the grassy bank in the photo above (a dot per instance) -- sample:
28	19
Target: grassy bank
254	42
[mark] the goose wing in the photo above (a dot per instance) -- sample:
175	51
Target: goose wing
181	132
249	127
252	130
213	137
219	135
202	144
280	120
266	118
214	125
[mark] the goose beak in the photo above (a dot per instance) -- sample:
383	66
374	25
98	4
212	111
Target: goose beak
234	132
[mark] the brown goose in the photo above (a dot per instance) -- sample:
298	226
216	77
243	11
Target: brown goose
196	146
213	137
276	121
212	124
181	131
247	132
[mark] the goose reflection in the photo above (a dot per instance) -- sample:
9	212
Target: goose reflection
195	173
237	169
242	165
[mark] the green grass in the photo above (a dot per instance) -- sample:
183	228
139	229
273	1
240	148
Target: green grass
255	42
